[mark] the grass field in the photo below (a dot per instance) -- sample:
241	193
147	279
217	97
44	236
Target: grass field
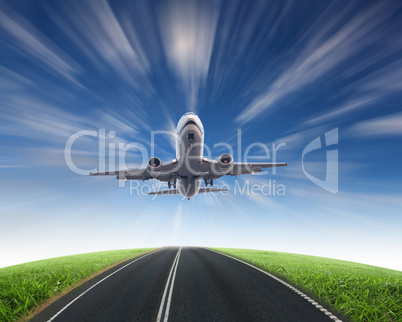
24	287
360	292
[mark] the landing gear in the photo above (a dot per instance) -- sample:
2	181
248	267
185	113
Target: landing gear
209	182
172	183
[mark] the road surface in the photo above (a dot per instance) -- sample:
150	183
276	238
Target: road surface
182	284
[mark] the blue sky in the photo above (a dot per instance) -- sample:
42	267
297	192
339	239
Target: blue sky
282	72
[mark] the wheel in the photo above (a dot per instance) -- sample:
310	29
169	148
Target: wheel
206	183
169	184
212	182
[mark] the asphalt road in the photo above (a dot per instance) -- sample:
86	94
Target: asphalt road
182	284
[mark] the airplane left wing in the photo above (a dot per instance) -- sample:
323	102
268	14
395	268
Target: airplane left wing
165	173
137	174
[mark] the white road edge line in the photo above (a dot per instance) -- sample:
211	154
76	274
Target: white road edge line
310	300
174	266
58	313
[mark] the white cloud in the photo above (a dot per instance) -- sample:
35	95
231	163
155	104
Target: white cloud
389	125
188	32
12	81
367	91
329	44
99	34
351	105
33	44
25	116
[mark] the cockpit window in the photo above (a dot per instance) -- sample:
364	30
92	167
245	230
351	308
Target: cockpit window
190	122
189	113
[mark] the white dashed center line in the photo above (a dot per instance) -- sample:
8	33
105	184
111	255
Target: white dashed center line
170	281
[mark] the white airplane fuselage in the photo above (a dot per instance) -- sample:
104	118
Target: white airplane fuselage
189	153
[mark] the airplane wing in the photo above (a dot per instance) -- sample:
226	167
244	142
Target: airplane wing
253	167
211	170
129	174
165	174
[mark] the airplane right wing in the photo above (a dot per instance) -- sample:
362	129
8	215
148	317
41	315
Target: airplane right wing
214	169
253	167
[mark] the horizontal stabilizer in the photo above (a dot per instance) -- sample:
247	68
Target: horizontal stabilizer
165	192
205	190
176	192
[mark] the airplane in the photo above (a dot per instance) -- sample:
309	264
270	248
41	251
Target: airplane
185	172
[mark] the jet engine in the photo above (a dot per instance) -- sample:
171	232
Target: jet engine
225	163
154	166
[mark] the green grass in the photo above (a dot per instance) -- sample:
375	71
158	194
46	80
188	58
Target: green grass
360	292
24	287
